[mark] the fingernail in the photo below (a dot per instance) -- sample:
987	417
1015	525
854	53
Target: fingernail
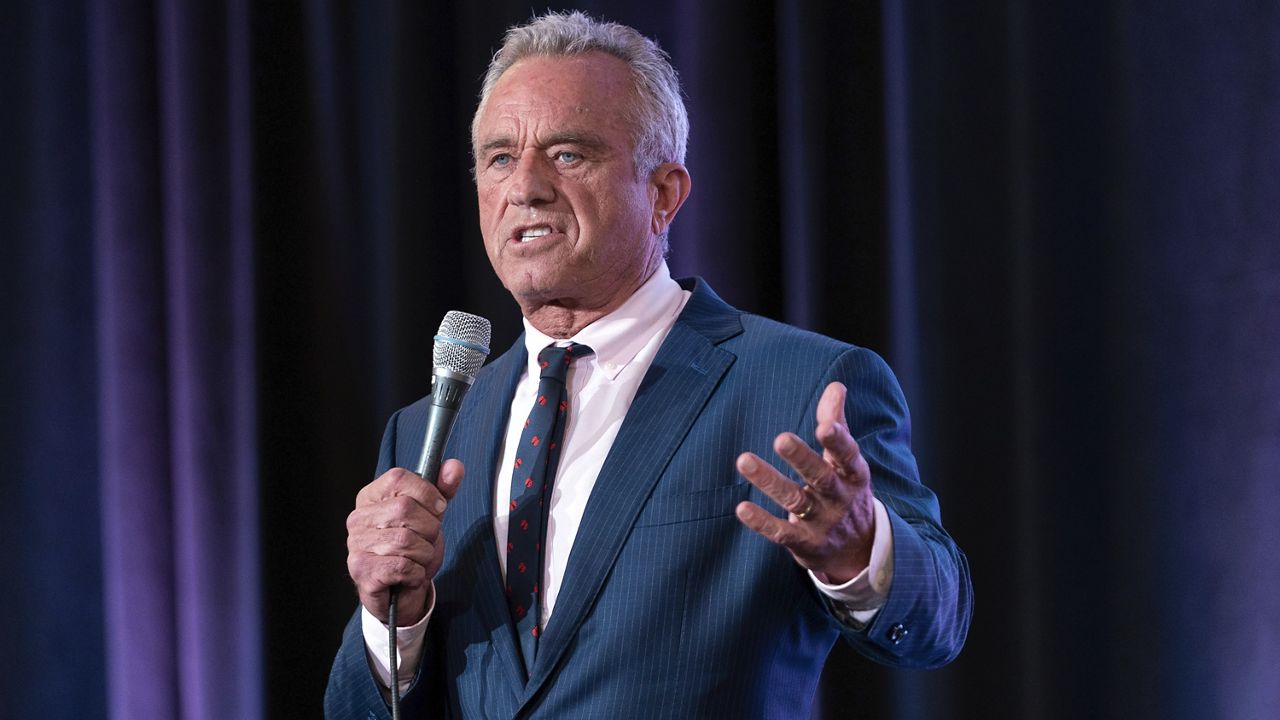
747	464
439	505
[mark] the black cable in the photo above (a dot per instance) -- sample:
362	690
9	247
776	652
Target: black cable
391	639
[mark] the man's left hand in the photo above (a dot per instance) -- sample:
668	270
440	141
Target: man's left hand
831	520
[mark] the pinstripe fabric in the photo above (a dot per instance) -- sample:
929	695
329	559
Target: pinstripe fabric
670	608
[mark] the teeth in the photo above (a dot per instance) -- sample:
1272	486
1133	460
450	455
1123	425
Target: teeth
532	233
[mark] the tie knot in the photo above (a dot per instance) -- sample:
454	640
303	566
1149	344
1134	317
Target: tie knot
554	360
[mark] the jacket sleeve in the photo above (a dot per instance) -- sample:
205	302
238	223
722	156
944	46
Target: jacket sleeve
925	618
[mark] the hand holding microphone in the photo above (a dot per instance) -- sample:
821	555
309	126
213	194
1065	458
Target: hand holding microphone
394	542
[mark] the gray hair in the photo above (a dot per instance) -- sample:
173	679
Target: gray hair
658	117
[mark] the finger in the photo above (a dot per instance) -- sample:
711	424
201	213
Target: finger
375	574
774	529
396	512
451	473
812	468
839	449
788	495
393	481
393	542
831	404
369	550
398	482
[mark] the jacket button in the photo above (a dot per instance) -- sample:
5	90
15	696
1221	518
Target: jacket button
897	632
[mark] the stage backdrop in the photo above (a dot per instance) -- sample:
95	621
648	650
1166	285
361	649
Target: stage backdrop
228	231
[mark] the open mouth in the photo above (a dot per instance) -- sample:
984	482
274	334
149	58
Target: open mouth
534	232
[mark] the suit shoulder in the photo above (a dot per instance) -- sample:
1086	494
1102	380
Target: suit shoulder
763	332
801	352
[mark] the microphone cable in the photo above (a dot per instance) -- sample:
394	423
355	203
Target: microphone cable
391	639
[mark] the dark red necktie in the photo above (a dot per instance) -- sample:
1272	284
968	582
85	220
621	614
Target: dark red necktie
535	467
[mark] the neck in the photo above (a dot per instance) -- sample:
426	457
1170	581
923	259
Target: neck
562	318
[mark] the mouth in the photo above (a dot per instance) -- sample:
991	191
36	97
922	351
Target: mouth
530	234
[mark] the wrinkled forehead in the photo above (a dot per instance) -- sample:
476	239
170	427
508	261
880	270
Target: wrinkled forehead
593	91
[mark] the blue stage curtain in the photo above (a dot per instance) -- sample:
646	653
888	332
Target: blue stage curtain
228	231
135	526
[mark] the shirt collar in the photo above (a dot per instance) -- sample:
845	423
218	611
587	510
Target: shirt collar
617	337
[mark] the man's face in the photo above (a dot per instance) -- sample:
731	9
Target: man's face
565	219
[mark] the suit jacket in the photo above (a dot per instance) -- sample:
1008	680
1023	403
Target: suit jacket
669	607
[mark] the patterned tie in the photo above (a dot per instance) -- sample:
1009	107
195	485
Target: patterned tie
535	468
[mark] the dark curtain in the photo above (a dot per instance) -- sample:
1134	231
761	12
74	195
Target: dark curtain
230	229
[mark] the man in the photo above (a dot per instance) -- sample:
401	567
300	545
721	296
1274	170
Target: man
659	583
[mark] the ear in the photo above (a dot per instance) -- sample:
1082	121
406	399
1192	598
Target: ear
668	187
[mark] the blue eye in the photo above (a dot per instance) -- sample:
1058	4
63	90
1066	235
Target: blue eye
501	159
568	156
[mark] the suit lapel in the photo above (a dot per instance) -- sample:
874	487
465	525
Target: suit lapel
684	374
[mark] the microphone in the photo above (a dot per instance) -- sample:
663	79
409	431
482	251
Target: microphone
462	344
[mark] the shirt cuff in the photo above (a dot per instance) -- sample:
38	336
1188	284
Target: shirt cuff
857	601
409	641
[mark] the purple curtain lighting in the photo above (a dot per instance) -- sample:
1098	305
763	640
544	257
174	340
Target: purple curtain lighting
228	230
174	276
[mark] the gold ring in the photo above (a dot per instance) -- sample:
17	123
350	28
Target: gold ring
806	512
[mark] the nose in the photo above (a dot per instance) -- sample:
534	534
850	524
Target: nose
530	183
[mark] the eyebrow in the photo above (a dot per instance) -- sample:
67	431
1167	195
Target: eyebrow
581	138
494	144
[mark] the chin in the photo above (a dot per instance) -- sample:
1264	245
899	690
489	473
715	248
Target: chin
531	289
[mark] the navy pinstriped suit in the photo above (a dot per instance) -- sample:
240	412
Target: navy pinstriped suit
669	607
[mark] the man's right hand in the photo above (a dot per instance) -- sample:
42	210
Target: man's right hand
394	538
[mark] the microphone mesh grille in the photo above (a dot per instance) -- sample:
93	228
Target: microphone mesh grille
457	330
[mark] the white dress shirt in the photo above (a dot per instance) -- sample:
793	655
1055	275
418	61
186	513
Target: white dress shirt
600	390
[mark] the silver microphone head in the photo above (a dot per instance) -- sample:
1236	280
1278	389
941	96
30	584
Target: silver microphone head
462	343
